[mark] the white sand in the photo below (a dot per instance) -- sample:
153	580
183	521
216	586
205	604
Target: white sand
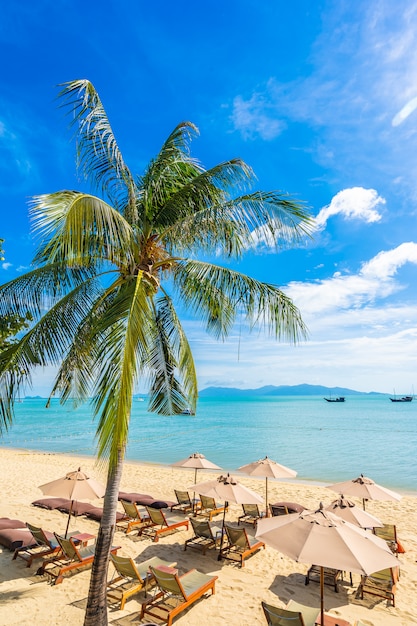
268	575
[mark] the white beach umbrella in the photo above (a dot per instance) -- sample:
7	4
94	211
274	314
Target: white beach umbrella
365	488
324	539
74	486
269	469
348	511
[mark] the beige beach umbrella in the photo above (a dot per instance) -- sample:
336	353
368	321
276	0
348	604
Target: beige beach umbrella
227	489
324	539
269	469
196	461
74	486
365	488
347	510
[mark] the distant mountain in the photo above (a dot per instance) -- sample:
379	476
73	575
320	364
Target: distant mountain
283	390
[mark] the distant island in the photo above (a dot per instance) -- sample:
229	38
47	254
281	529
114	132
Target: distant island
284	390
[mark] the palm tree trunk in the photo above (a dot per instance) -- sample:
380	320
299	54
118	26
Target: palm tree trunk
96	611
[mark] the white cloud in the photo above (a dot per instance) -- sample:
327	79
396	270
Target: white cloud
6	265
253	118
405	112
374	281
354	203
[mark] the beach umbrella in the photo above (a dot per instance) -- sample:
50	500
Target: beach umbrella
196	461
227	489
324	539
269	469
365	488
347	510
74	486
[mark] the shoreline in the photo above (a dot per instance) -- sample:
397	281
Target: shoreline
297	481
268	575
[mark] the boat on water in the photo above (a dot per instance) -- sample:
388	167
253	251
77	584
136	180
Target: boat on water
402	399
187	412
338	399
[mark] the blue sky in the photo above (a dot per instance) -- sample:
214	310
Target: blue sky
320	98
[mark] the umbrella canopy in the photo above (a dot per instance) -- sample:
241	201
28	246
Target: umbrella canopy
196	461
228	489
74	486
269	469
324	539
365	488
348	511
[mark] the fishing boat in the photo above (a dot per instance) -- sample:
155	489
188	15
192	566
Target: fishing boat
338	399
402	399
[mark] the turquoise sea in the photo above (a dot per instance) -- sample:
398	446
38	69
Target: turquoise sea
324	442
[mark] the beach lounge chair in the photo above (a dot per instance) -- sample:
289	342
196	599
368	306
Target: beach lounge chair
46	544
331	576
381	584
209	507
71	557
251	514
185	590
294	614
206	535
239	547
132	518
388	532
129	578
160	523
184	502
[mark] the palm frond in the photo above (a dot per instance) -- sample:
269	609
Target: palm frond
218	294
125	327
99	157
232	227
36	291
78	229
44	344
173	385
191	191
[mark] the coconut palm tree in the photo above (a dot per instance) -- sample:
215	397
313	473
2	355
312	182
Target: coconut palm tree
109	272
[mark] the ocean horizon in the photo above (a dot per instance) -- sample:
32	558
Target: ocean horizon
324	442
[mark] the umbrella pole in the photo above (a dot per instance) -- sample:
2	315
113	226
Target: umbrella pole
266	496
195	482
68	522
219	558
321	595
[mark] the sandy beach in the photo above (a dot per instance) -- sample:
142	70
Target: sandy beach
268	575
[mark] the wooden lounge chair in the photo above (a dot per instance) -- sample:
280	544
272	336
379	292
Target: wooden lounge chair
184	502
133	517
129	578
71	557
159	523
209	507
251	514
239	546
388	532
206	535
46	544
294	614
381	584
185	590
331	576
